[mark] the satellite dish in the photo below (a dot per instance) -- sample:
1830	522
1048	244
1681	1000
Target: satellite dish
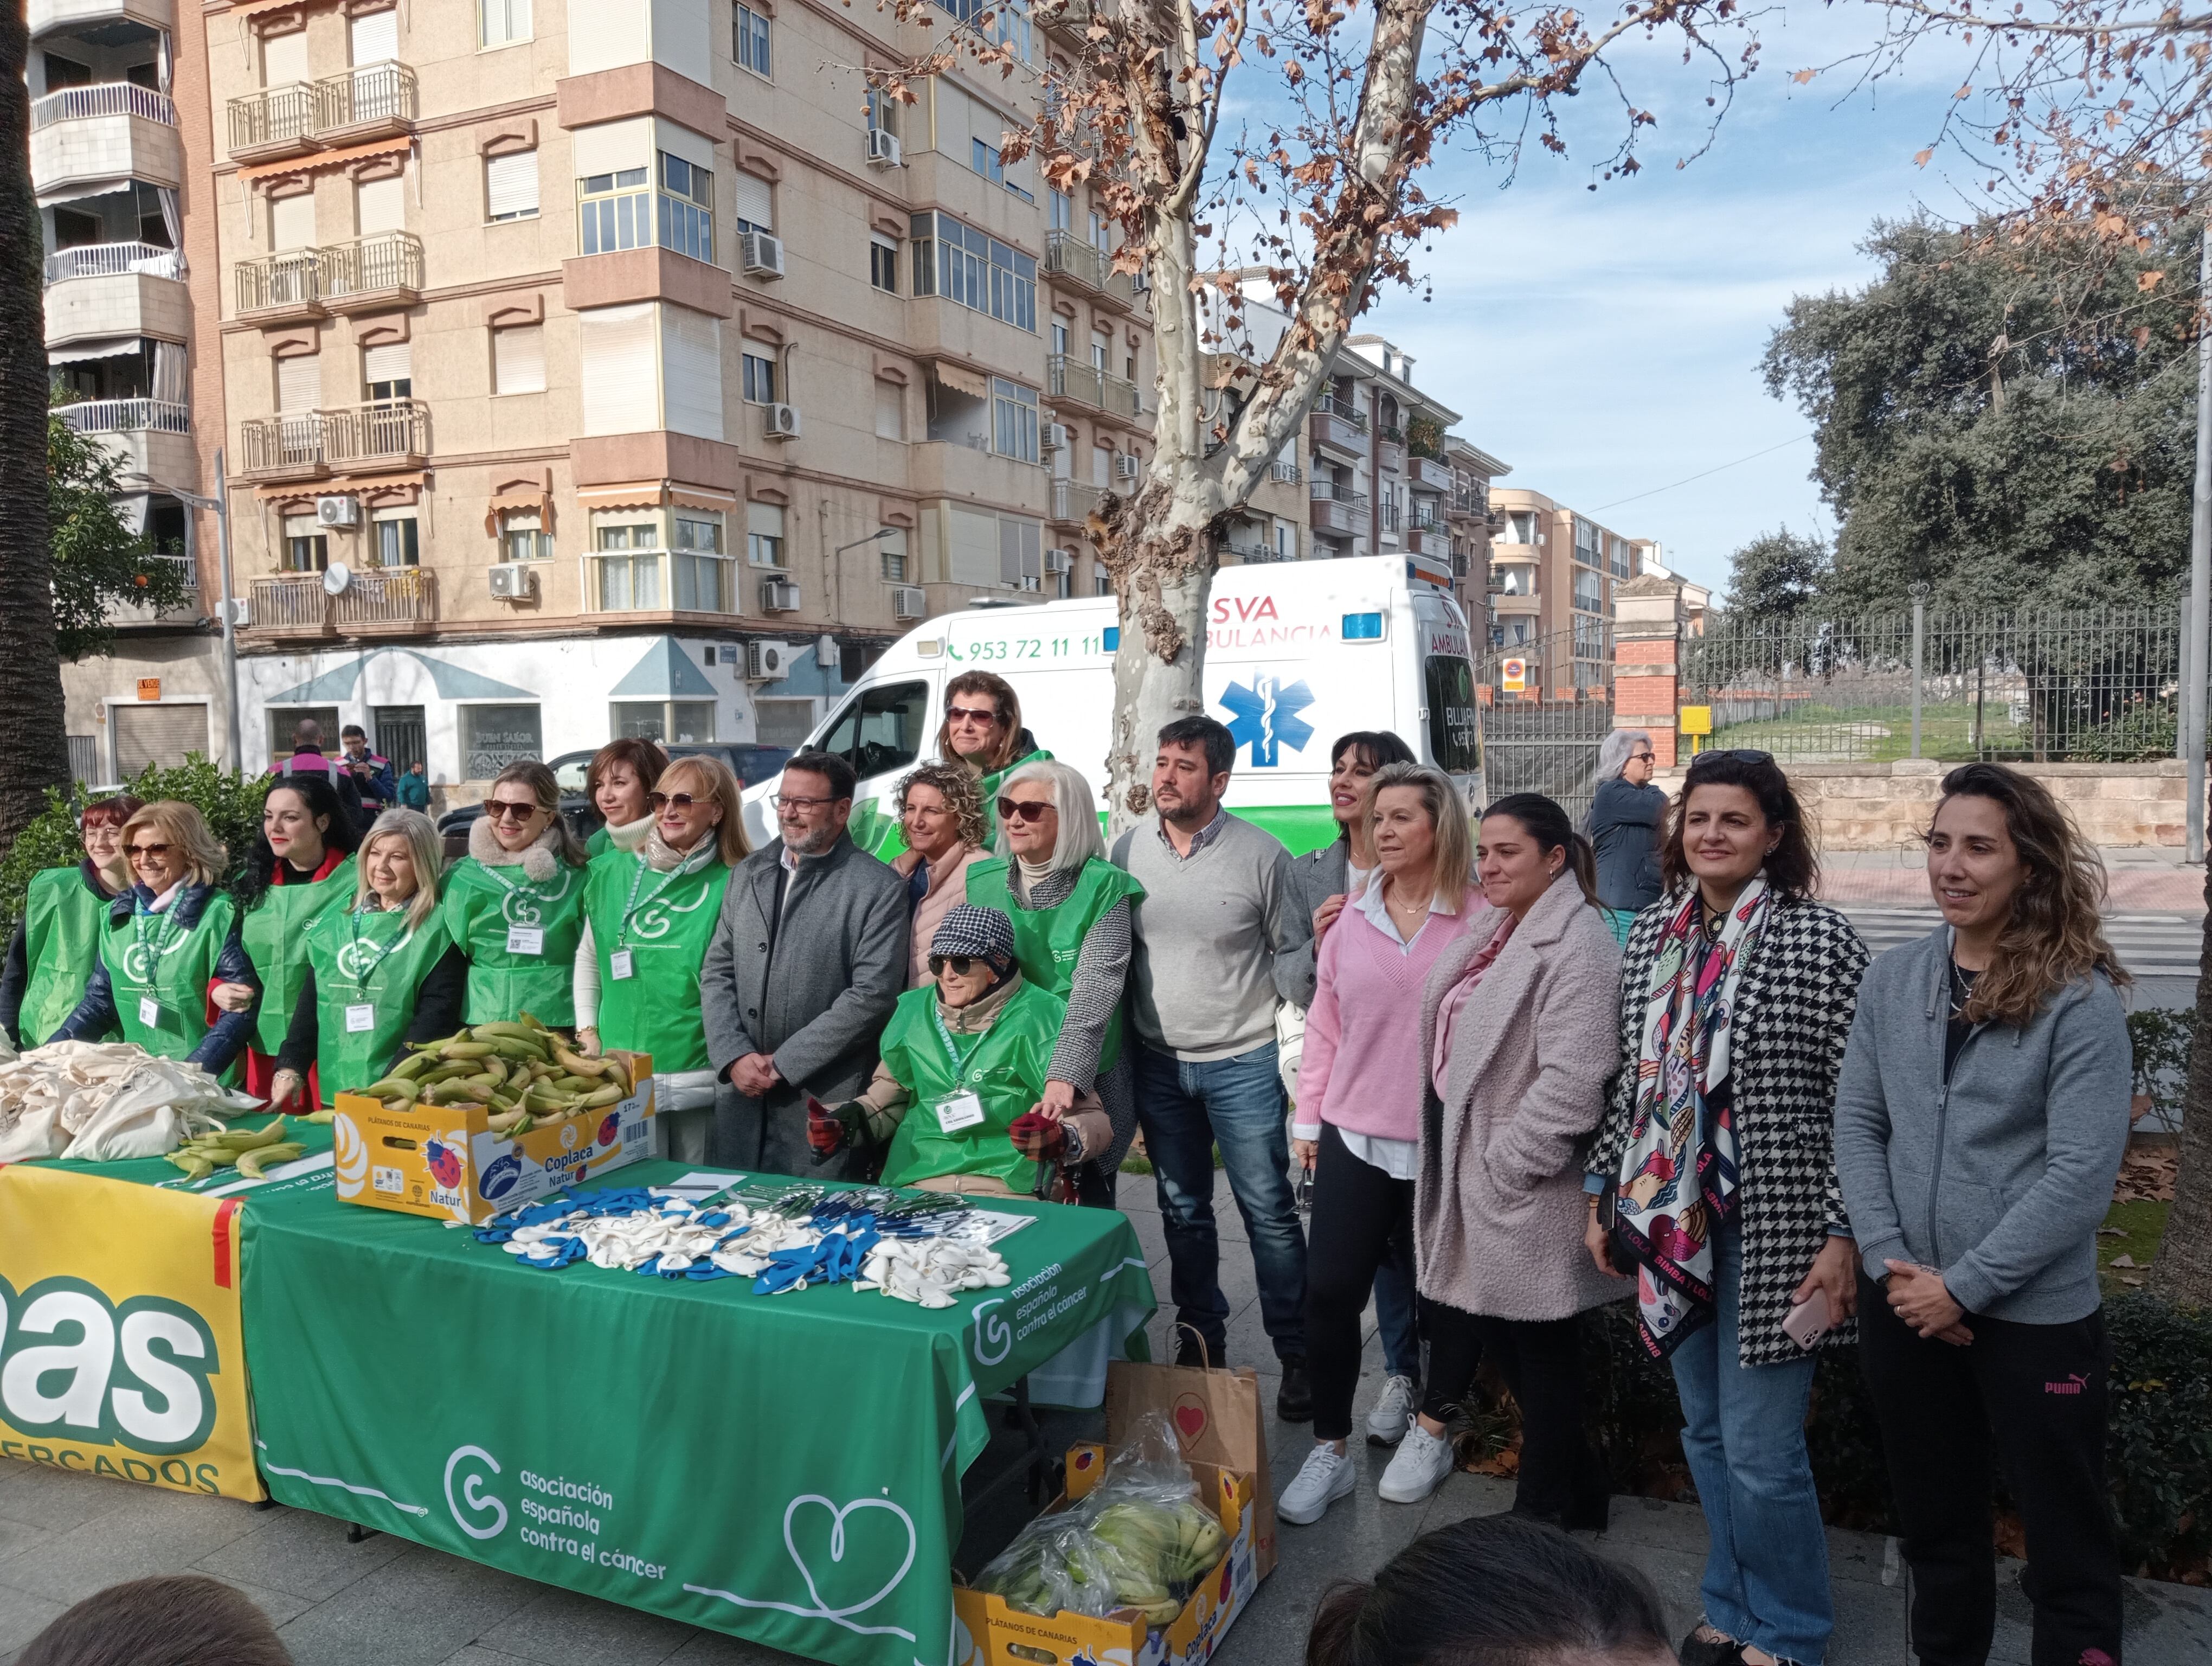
337	578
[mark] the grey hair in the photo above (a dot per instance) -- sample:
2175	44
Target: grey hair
1613	751
1077	806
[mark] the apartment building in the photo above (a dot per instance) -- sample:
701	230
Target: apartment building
597	370
1551	577
1697	599
119	167
1471	522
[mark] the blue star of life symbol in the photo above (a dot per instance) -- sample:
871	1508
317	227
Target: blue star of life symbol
1265	717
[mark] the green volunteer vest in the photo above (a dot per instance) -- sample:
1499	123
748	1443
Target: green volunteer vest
989	787
273	935
1048	940
1004	1068
480	904
664	921
62	925
175	970
375	960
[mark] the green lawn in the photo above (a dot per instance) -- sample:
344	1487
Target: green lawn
2143	1224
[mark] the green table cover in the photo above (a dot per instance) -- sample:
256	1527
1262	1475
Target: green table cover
782	1467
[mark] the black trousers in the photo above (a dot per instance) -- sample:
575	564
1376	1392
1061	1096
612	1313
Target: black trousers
1561	1481
1362	1219
2031	1397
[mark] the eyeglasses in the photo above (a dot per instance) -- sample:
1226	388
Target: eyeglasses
971	715
790	801
961	964
1739	754
500	811
1641	757
1034	809
662	800
148	851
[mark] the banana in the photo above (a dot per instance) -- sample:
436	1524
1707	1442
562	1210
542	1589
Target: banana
196	1167
411	1068
250	1163
465	1049
268	1134
504	1121
619	1073
323	1118
394	1085
606	1096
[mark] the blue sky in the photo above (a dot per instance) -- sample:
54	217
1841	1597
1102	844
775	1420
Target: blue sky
1607	342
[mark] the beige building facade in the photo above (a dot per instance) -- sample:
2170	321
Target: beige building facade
1551	577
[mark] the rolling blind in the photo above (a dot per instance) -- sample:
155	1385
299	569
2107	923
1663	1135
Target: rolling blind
298	383
151	734
511	185
292	221
376	37
692	365
389	362
518	357
615	350
756	202
285	59
380	205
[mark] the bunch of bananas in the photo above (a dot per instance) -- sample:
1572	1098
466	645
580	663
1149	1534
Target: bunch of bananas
522	1073
250	1152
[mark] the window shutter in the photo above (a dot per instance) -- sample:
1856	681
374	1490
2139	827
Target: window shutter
298	383
890	412
691	361
615	348
518	358
755	203
379	204
765	520
386	363
292	221
376	37
511	185
151	734
285	59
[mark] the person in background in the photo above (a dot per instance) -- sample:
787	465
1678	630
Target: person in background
302	864
371	771
1715	1162
805	964
415	788
382	974
1217	912
515	902
1980	1121
941	817
56	945
173	1619
622	773
1493	1590
308	758
1624	825
165	941
1322	882
982	730
963	1062
1358	1120
648	915
1070	909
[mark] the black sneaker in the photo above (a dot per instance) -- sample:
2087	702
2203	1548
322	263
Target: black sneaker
1714	1650
1294	1400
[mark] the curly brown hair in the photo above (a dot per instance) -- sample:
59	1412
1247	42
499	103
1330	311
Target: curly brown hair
1792	870
2056	933
962	791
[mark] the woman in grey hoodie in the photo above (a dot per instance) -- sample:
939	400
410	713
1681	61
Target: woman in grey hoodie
1980	1119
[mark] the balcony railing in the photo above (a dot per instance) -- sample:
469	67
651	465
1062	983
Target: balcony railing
376	95
1328	491
127	416
391	595
1073	501
1337	510
1253	553
368	265
1070	379
1389	517
1071	256
292	278
295	602
107	97
1344	411
311	440
275	115
113	260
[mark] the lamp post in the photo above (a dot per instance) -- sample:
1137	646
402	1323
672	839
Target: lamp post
226	612
838	559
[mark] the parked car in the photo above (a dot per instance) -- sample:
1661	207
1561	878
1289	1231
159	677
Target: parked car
751	763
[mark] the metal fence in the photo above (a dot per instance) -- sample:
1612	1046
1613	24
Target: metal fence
1546	705
2045	685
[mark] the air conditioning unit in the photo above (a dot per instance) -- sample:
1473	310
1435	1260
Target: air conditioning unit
513	579
779	596
240	612
882	149
908	601
1029	581
337	512
1140	281
782	423
826	654
768	662
1125	466
1056	437
762	254
1059	561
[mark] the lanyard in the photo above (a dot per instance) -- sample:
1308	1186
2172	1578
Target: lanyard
353	942
637	879
959	1070
161	945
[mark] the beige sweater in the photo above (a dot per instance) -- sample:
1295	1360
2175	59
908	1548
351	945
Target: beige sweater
948	887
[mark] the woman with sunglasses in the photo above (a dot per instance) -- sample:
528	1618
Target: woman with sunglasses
1712	1181
1070	909
941	817
166	941
621	774
648	915
514	904
982	732
53	951
1623	825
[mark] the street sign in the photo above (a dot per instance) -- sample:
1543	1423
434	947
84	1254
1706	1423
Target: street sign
1513	675
1697	720
149	688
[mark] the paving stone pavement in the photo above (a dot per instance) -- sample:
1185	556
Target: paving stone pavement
387	1601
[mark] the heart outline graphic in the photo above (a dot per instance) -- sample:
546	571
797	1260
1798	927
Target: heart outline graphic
822	1610
1190	1418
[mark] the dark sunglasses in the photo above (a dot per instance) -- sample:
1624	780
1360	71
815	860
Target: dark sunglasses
1033	811
1738	754
500	809
149	851
961	964
970	713
662	800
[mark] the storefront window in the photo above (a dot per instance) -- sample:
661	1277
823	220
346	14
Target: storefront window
493	736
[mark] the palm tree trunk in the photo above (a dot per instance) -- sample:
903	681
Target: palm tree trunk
2184	1269
33	744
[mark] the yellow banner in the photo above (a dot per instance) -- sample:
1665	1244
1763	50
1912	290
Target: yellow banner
121	1349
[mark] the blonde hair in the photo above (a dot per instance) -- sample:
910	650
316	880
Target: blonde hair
546	789
712	774
1453	861
1080	839
184	829
423	846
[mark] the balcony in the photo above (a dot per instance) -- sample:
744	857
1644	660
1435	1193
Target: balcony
372	273
1066	255
305	445
130	613
281	287
100	290
114	129
1425	538
150	437
1337	511
1073	501
1428	475
52	16
377	101
1336	426
296	604
1070	379
1252	555
1070	20
272	124
1390	449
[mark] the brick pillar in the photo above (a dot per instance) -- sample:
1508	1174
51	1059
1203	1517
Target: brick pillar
1647	629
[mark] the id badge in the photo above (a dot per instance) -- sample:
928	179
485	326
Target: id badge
359	1018
957	1111
149	1011
525	939
618	965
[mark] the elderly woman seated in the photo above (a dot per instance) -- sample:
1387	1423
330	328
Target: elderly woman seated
957	1095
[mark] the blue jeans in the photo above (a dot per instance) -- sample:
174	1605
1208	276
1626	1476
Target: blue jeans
1236	1104
1394	1320
1743	1431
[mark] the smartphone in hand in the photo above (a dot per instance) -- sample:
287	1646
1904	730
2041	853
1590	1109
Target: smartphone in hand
1808	1320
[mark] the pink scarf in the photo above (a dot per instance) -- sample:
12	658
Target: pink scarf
1456	996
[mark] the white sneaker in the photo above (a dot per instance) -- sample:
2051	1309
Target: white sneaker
1417	1468
1325	1477
1394	1413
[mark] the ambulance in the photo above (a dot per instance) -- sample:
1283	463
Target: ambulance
1297	654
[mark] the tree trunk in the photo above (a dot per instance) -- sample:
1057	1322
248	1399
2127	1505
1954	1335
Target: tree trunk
2184	1269
33	746
1163	550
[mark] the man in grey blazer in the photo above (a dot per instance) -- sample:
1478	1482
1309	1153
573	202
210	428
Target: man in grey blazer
807	959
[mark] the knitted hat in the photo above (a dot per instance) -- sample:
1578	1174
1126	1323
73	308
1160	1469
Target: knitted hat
982	934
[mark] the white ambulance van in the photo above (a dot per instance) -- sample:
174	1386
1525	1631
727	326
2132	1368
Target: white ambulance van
1297	654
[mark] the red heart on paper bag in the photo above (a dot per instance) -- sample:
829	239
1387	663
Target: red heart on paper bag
1190	1418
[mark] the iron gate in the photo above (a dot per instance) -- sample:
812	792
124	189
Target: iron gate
1546	707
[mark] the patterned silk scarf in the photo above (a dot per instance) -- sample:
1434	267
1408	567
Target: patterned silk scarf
1677	1181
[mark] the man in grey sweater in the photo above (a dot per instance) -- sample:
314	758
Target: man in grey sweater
1218	910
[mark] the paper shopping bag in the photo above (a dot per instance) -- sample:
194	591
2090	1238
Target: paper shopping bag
1217	1420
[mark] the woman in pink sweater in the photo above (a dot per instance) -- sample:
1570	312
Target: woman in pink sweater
1360	1081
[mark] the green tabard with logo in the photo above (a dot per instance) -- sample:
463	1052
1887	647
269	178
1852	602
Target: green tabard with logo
373	960
662	922
172	969
484	907
1047	941
273	934
1005	1067
62	923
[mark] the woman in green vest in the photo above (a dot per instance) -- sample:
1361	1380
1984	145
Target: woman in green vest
982	730
963	1061
1070	909
167	943
57	944
648	915
301	865
622	773
514	904
381	972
